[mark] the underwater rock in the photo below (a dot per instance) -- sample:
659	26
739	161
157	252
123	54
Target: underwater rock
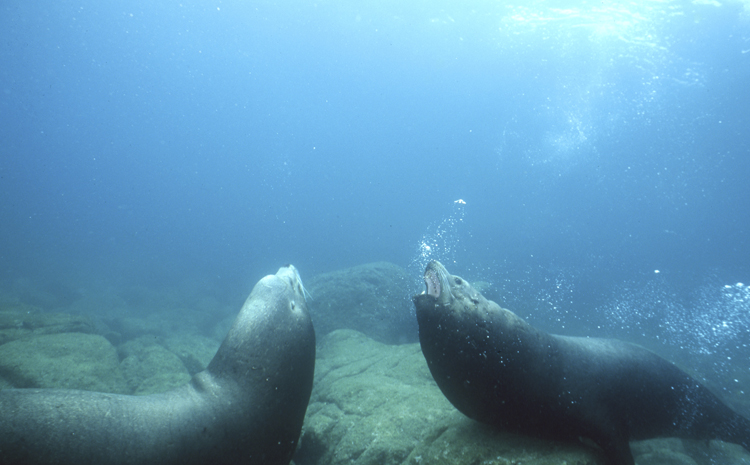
221	328
371	402
712	452
162	323
130	327
68	360
20	320
371	298
378	404
47	294
465	441
662	451
194	351
676	451
149	368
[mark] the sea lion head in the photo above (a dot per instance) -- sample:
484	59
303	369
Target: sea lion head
462	337
447	291
273	326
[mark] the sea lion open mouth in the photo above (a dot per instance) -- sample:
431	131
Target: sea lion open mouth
436	279
432	282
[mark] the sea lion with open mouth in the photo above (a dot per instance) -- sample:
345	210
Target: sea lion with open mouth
497	369
246	407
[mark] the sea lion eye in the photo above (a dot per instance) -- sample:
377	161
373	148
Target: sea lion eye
458	281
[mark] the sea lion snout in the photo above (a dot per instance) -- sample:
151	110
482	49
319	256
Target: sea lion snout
291	277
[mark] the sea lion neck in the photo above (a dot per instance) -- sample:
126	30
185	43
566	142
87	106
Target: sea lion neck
276	305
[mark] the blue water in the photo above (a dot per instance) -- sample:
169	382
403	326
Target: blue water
593	143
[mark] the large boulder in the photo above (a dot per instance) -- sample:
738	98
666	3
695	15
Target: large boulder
67	360
378	404
19	320
149	368
161	323
195	351
373	298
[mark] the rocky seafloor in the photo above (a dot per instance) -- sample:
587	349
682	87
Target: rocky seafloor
373	402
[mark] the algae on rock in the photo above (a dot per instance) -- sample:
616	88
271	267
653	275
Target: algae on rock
373	299
20	320
195	351
150	368
67	361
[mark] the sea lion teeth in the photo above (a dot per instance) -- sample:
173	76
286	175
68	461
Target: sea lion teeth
432	283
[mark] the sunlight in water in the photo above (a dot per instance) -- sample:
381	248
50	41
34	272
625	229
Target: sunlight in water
616	20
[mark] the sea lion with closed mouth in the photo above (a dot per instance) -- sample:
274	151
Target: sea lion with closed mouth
497	369
246	407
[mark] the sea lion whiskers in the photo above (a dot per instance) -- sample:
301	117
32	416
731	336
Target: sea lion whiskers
296	281
305	292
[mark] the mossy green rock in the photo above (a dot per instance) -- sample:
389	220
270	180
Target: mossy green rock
68	361
670	451
161	323
195	351
373	299
150	368
369	404
20	321
220	329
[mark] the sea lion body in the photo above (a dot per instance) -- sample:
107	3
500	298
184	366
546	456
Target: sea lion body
246	407
496	368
